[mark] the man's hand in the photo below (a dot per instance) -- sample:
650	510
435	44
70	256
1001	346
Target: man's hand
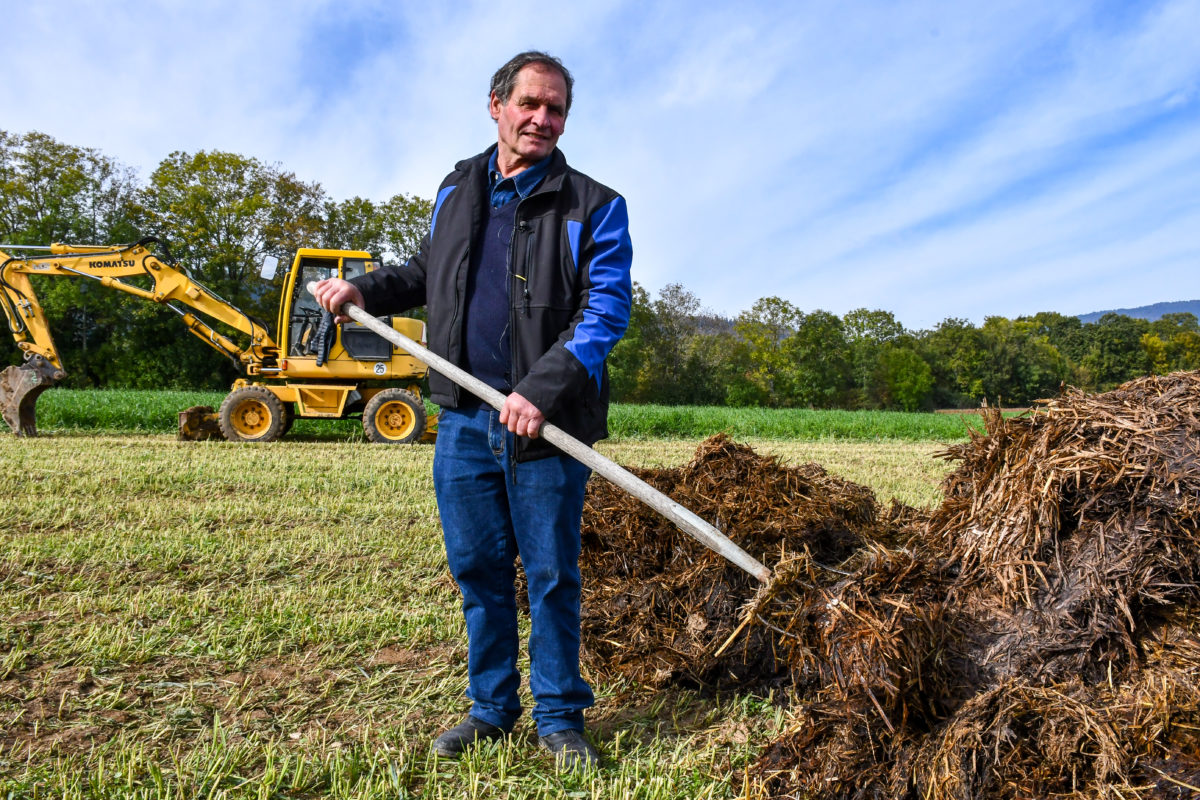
331	293
521	416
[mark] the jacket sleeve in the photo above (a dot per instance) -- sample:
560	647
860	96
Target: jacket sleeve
604	252
396	288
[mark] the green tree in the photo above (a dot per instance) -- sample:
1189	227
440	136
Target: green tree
820	360
1063	331
625	362
907	381
1114	353
1173	343
1021	364
353	224
223	212
955	351
765	329
55	192
866	334
1184	351
405	221
665	355
391	230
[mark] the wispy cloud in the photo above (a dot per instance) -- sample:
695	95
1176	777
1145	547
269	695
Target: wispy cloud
932	159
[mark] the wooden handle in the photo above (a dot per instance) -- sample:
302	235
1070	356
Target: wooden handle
687	521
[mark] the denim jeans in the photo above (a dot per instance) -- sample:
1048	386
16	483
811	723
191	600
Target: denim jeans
494	509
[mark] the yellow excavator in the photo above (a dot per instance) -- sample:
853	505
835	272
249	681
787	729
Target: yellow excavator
312	369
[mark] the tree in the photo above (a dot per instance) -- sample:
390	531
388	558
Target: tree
1173	343
765	328
56	192
820	363
1115	353
866	333
907	379
353	224
391	230
955	352
626	360
224	212
665	356
405	221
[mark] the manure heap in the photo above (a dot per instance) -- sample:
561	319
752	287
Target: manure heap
1036	635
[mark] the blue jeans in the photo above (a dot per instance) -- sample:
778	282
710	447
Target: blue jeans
494	509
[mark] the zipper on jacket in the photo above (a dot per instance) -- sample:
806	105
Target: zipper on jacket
528	266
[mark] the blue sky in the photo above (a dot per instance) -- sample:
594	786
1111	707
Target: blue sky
933	159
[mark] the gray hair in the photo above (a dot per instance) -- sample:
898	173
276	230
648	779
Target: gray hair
505	79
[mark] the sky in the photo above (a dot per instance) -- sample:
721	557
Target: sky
933	159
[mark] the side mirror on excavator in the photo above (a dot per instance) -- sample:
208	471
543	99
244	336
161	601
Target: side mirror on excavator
269	265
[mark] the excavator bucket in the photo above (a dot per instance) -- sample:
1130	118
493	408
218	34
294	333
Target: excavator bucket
199	423
20	387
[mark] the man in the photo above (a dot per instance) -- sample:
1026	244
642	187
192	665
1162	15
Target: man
525	276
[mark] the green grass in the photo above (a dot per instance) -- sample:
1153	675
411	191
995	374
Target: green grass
691	422
203	619
130	411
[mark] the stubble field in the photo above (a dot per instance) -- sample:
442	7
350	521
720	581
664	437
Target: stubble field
215	620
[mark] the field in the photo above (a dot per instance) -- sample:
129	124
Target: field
215	620
156	412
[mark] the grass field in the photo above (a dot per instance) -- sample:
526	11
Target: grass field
131	411
214	620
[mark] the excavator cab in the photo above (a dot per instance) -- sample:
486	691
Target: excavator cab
361	351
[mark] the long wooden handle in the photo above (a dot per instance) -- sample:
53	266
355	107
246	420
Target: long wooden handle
687	521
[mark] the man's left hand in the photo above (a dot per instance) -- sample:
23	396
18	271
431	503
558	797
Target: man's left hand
521	416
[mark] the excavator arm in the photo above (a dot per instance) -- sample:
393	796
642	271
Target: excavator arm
115	267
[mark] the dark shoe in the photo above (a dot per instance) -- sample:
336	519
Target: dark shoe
571	750
466	734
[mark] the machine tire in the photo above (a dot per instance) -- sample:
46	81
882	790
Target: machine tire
251	414
394	416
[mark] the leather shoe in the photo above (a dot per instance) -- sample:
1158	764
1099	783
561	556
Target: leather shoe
571	750
466	734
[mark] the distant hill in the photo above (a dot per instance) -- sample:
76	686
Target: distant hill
1149	313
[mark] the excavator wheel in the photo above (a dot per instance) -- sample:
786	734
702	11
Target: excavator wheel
251	414
394	416
19	391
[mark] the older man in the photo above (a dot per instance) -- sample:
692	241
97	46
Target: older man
525	275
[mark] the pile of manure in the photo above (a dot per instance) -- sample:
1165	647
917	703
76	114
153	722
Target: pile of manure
1036	635
658	605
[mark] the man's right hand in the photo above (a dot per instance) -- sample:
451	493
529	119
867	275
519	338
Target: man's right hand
331	293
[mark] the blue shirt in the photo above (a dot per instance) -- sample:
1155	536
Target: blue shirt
505	190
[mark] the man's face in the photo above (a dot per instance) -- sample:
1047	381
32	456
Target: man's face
533	118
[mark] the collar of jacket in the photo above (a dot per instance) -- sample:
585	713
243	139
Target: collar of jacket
476	170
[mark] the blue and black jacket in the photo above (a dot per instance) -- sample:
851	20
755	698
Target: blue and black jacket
569	290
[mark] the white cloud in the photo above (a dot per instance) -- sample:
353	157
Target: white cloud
931	159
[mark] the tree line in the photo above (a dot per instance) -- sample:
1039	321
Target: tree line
221	213
777	355
218	214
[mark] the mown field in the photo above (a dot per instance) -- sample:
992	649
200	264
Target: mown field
213	620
